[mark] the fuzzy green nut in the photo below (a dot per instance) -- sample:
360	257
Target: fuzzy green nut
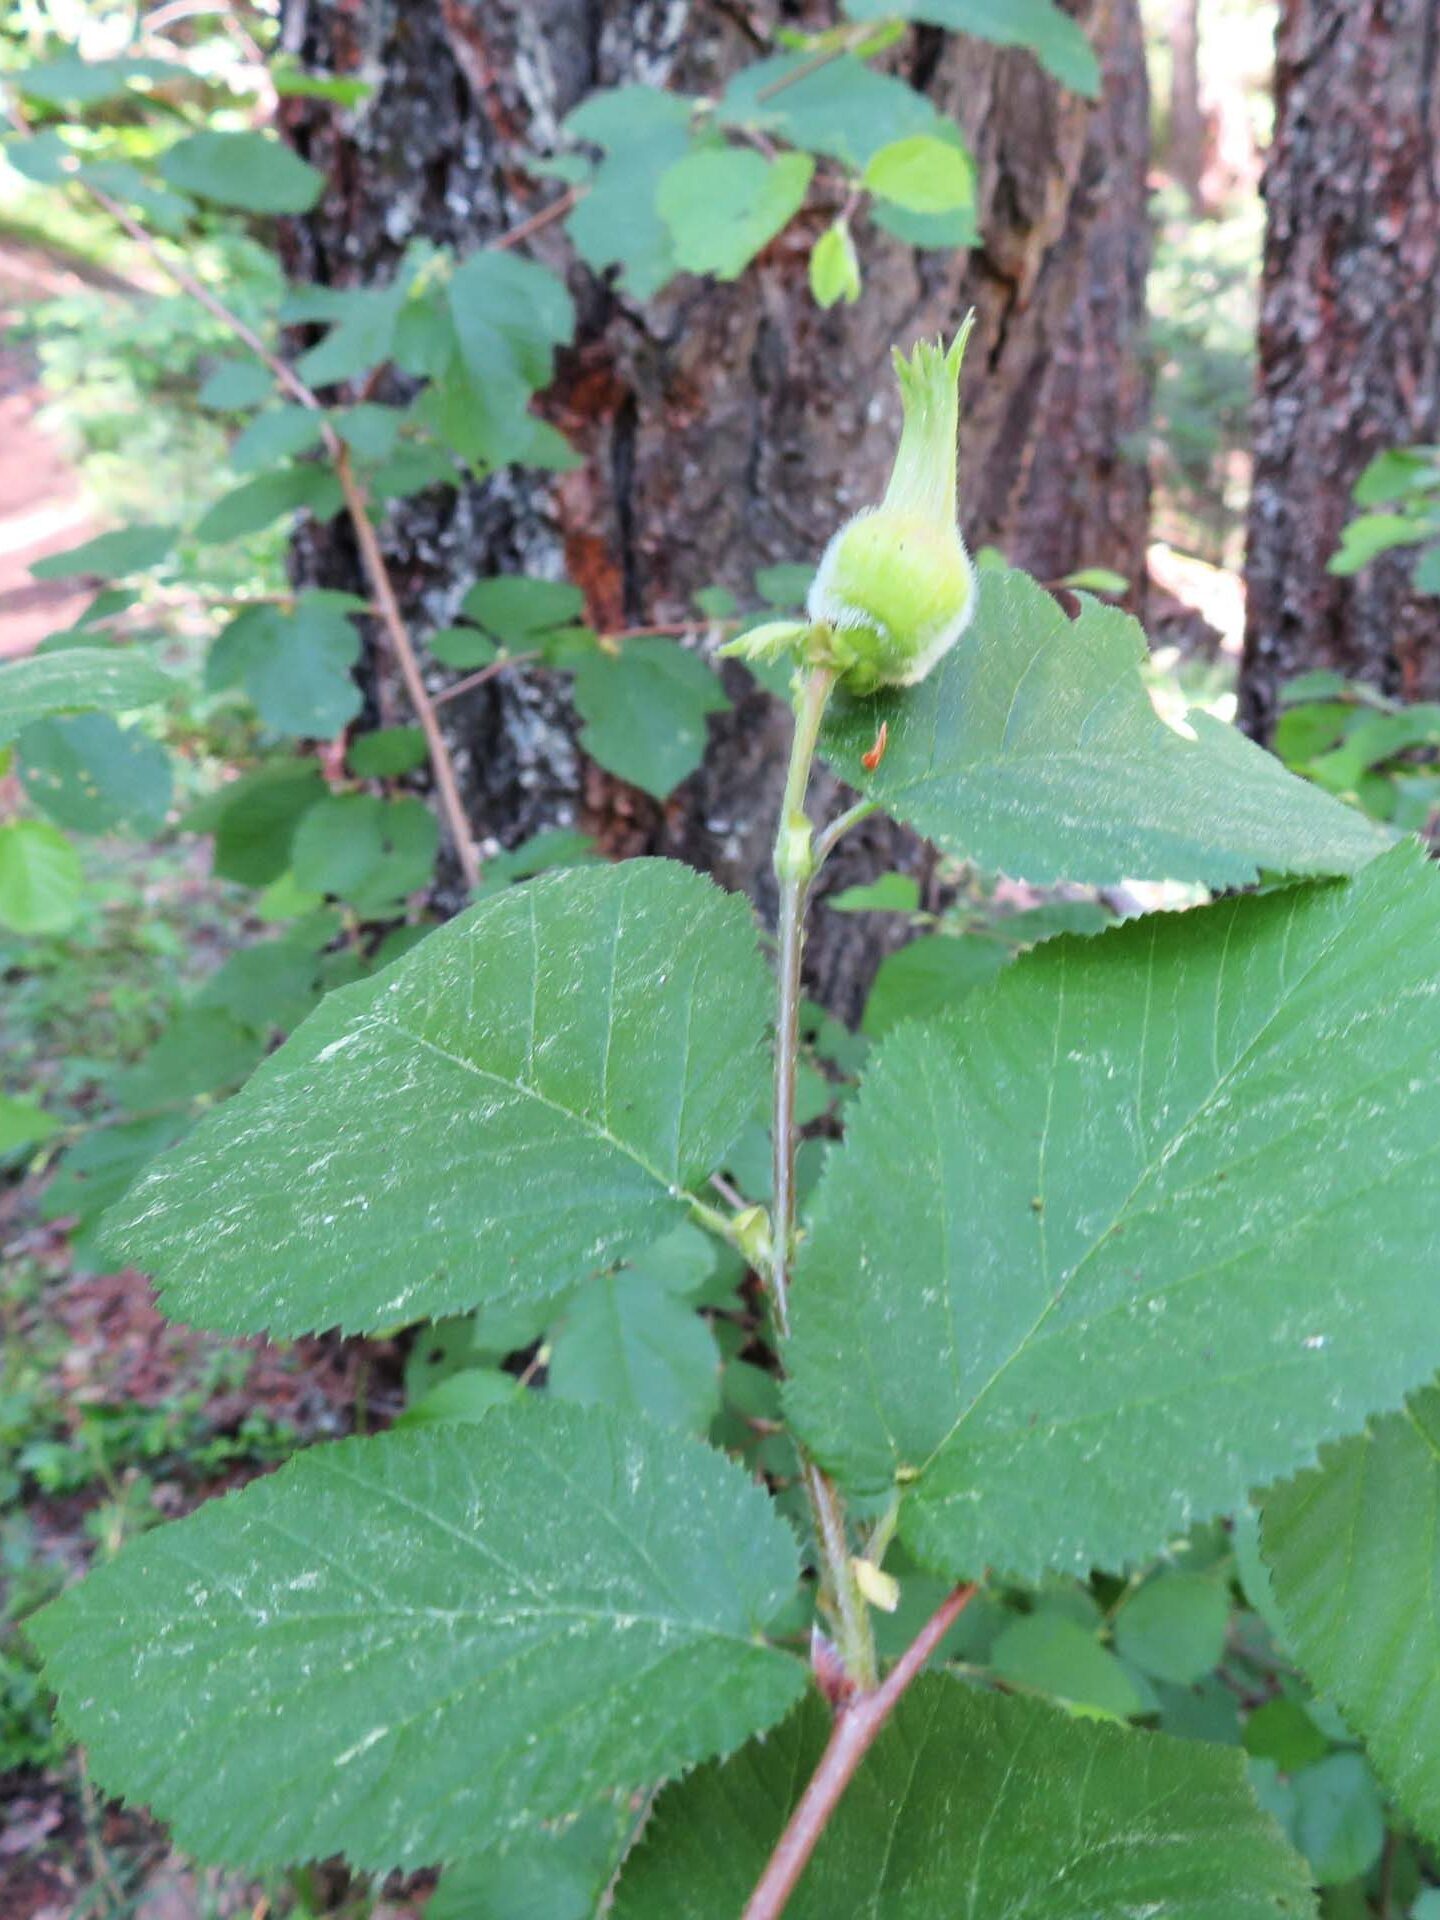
896	588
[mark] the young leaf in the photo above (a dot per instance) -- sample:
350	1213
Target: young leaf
253	171
107	679
835	267
644	712
923	174
517	609
23	1124
1096	1236
40	878
1048	1651
970	1804
1033	749
278	1696
387	752
724	204
1351	1546
522	1099
92	776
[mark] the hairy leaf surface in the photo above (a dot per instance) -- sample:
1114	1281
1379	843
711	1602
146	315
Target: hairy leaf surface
1353	1547
971	1806
379	1652
1083	1271
1034	750
522	1099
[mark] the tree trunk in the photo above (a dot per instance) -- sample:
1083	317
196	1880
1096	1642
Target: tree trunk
1185	156
727	427
1349	342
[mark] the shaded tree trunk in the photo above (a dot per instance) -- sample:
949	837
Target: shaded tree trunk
724	428
1349	343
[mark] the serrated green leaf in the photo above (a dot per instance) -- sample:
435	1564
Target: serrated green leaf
516	608
929	977
263	1694
1033	749
110	555
40	878
922	174
1096	1235
1174	1627
1338	1818
235	384
1366	538
362	331
844	109
644	712
1057	41
891	893
67	80
294	663
257	503
387	752
976	1805
644	131
272	984
520	1100
1351	1547
254	820
506	317
92	776
627	1343
724	204
47	157
203	1050
1054	1654
24	1124
276	435
1396	472
107	679
468	1394
552	1874
252	171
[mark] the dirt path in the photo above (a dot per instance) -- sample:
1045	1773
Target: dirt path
43	506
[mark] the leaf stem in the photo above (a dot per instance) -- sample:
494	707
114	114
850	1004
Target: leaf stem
381	586
857	1723
794	867
830	837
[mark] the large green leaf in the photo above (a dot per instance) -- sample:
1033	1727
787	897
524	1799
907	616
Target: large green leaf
1084	1270
1353	1547
971	1806
522	1099
379	1652
106	679
1033	749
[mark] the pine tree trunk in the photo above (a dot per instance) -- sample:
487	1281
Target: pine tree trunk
1349	342
724	428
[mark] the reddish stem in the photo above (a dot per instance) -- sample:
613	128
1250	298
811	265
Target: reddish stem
856	1725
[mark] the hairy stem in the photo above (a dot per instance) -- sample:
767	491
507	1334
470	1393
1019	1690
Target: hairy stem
442	766
857	1722
794	866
